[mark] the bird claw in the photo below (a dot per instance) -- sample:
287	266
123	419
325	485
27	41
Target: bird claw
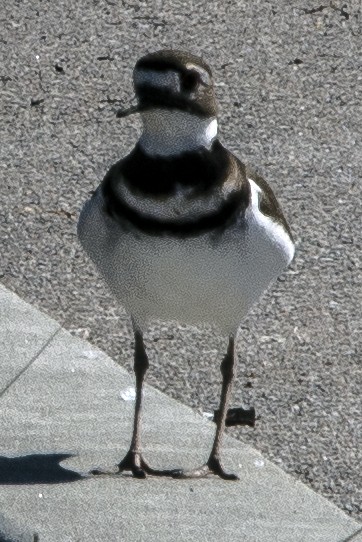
213	466
134	462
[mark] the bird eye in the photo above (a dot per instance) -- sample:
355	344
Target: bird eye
190	81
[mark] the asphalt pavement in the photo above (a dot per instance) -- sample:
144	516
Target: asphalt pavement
287	83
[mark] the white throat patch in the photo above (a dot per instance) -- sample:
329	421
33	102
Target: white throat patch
171	132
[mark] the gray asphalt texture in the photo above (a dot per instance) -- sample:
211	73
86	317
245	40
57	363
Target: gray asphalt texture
287	83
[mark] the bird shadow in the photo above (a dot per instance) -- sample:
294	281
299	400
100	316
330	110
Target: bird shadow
36	469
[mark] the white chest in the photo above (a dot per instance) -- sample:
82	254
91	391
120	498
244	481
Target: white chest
207	278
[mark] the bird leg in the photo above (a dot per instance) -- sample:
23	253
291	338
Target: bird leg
213	464
133	460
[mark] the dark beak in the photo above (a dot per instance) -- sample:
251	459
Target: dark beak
121	113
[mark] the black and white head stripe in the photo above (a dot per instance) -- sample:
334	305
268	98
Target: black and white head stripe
175	80
159	79
168	59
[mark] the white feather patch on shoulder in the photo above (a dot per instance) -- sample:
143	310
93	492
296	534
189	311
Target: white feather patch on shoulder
275	230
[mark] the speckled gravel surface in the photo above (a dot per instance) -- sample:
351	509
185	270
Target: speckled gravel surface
287	83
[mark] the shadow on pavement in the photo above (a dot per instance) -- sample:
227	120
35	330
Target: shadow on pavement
36	469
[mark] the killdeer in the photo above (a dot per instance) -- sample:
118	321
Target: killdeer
181	230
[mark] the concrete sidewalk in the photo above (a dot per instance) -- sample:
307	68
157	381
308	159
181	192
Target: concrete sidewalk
66	407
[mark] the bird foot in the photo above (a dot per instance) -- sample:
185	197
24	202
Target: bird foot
213	466
134	462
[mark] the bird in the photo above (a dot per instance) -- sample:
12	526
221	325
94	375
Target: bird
182	230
